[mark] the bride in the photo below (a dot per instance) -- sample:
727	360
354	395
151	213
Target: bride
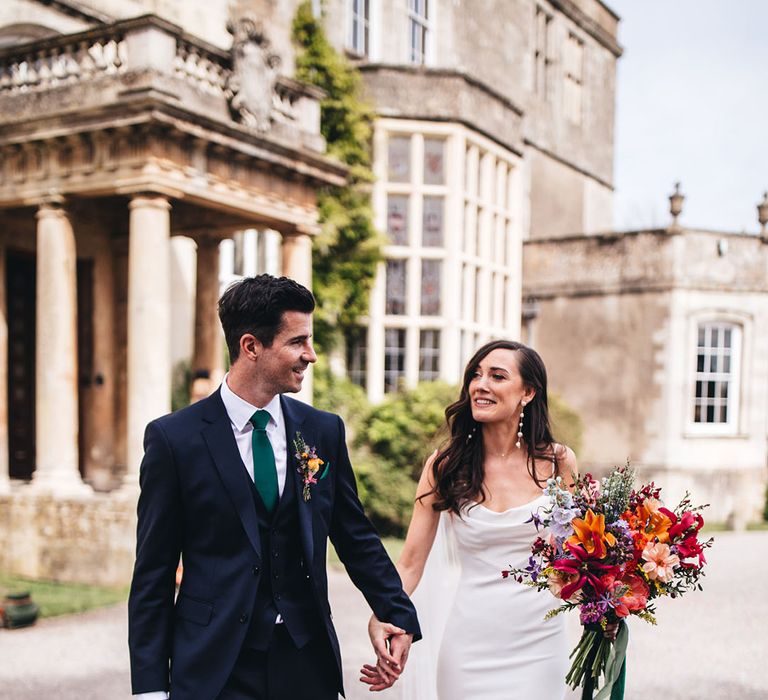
486	482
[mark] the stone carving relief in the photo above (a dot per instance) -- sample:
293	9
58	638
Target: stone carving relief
251	85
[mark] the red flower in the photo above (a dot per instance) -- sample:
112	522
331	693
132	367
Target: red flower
689	548
681	526
584	565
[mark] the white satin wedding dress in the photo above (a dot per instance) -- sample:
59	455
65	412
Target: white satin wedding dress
496	644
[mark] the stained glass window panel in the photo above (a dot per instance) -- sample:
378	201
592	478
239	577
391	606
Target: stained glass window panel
397	219
432	222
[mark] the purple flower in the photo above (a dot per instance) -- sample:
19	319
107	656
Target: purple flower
591	613
536	520
533	568
560	521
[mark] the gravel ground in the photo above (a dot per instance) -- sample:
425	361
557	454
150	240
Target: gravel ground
708	646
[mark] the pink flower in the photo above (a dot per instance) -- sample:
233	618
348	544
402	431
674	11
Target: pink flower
558	580
659	562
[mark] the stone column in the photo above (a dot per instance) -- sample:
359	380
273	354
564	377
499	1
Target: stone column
207	362
5	481
56	402
149	338
297	264
297	257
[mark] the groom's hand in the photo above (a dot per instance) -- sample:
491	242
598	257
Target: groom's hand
381	633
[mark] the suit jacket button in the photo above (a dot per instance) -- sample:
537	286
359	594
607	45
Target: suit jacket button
243	619
255	570
277	596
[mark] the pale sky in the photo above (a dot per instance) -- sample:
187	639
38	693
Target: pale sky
692	105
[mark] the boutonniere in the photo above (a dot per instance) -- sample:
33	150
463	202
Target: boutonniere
309	465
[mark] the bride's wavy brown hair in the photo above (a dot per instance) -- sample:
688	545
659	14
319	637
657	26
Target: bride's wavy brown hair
458	472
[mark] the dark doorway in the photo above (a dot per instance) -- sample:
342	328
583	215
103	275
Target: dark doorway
20	295
84	356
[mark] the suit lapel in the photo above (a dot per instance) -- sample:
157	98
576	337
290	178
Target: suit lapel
223	448
294	419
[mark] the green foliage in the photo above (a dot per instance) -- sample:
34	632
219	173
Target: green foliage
338	394
404	429
765	510
56	598
181	385
567	427
348	248
386	492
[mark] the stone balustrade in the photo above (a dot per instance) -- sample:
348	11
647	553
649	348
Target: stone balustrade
208	71
62	61
184	66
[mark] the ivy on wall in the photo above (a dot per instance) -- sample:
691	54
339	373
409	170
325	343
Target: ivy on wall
348	248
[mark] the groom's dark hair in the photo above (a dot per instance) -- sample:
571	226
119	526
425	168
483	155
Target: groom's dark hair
256	305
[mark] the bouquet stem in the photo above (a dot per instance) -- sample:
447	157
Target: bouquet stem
590	658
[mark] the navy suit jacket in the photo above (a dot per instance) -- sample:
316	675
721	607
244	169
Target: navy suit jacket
196	500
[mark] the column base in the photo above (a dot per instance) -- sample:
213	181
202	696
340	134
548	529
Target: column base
60	485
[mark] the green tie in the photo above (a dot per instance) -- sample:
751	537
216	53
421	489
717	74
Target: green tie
264	471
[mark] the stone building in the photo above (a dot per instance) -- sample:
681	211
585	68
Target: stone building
659	340
494	125
120	132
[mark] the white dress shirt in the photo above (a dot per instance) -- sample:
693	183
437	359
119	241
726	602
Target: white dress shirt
240	412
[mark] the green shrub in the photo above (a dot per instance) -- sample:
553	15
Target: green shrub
339	395
386	492
181	384
406	427
765	510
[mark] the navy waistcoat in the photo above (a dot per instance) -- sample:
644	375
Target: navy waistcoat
284	586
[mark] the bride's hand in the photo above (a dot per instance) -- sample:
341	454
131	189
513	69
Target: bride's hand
611	631
372	676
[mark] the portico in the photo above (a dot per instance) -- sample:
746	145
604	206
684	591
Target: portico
118	139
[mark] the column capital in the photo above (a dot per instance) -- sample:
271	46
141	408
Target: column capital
149	200
51	204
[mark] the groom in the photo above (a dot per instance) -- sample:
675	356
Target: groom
247	485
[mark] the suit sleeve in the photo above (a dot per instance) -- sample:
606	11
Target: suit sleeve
359	548
158	546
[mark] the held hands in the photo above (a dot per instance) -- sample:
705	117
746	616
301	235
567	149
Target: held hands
392	646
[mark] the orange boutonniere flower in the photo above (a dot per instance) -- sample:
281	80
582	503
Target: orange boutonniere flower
309	465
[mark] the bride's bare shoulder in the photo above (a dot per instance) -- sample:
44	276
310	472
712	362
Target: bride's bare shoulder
565	460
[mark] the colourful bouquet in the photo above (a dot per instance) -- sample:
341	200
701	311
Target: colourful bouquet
610	550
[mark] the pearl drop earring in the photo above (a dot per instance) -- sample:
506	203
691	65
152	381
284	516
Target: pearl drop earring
520	427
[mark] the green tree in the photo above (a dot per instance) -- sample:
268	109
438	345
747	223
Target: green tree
348	248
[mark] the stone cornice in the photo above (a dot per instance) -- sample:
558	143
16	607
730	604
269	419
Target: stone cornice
160	156
442	73
148	109
569	163
77	9
598	33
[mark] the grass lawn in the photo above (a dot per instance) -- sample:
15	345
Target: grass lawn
62	598
393	545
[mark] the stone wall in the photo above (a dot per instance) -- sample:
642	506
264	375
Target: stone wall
617	329
89	540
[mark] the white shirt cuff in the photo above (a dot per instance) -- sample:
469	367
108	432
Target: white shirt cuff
154	695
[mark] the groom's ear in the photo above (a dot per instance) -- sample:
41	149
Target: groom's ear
250	346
